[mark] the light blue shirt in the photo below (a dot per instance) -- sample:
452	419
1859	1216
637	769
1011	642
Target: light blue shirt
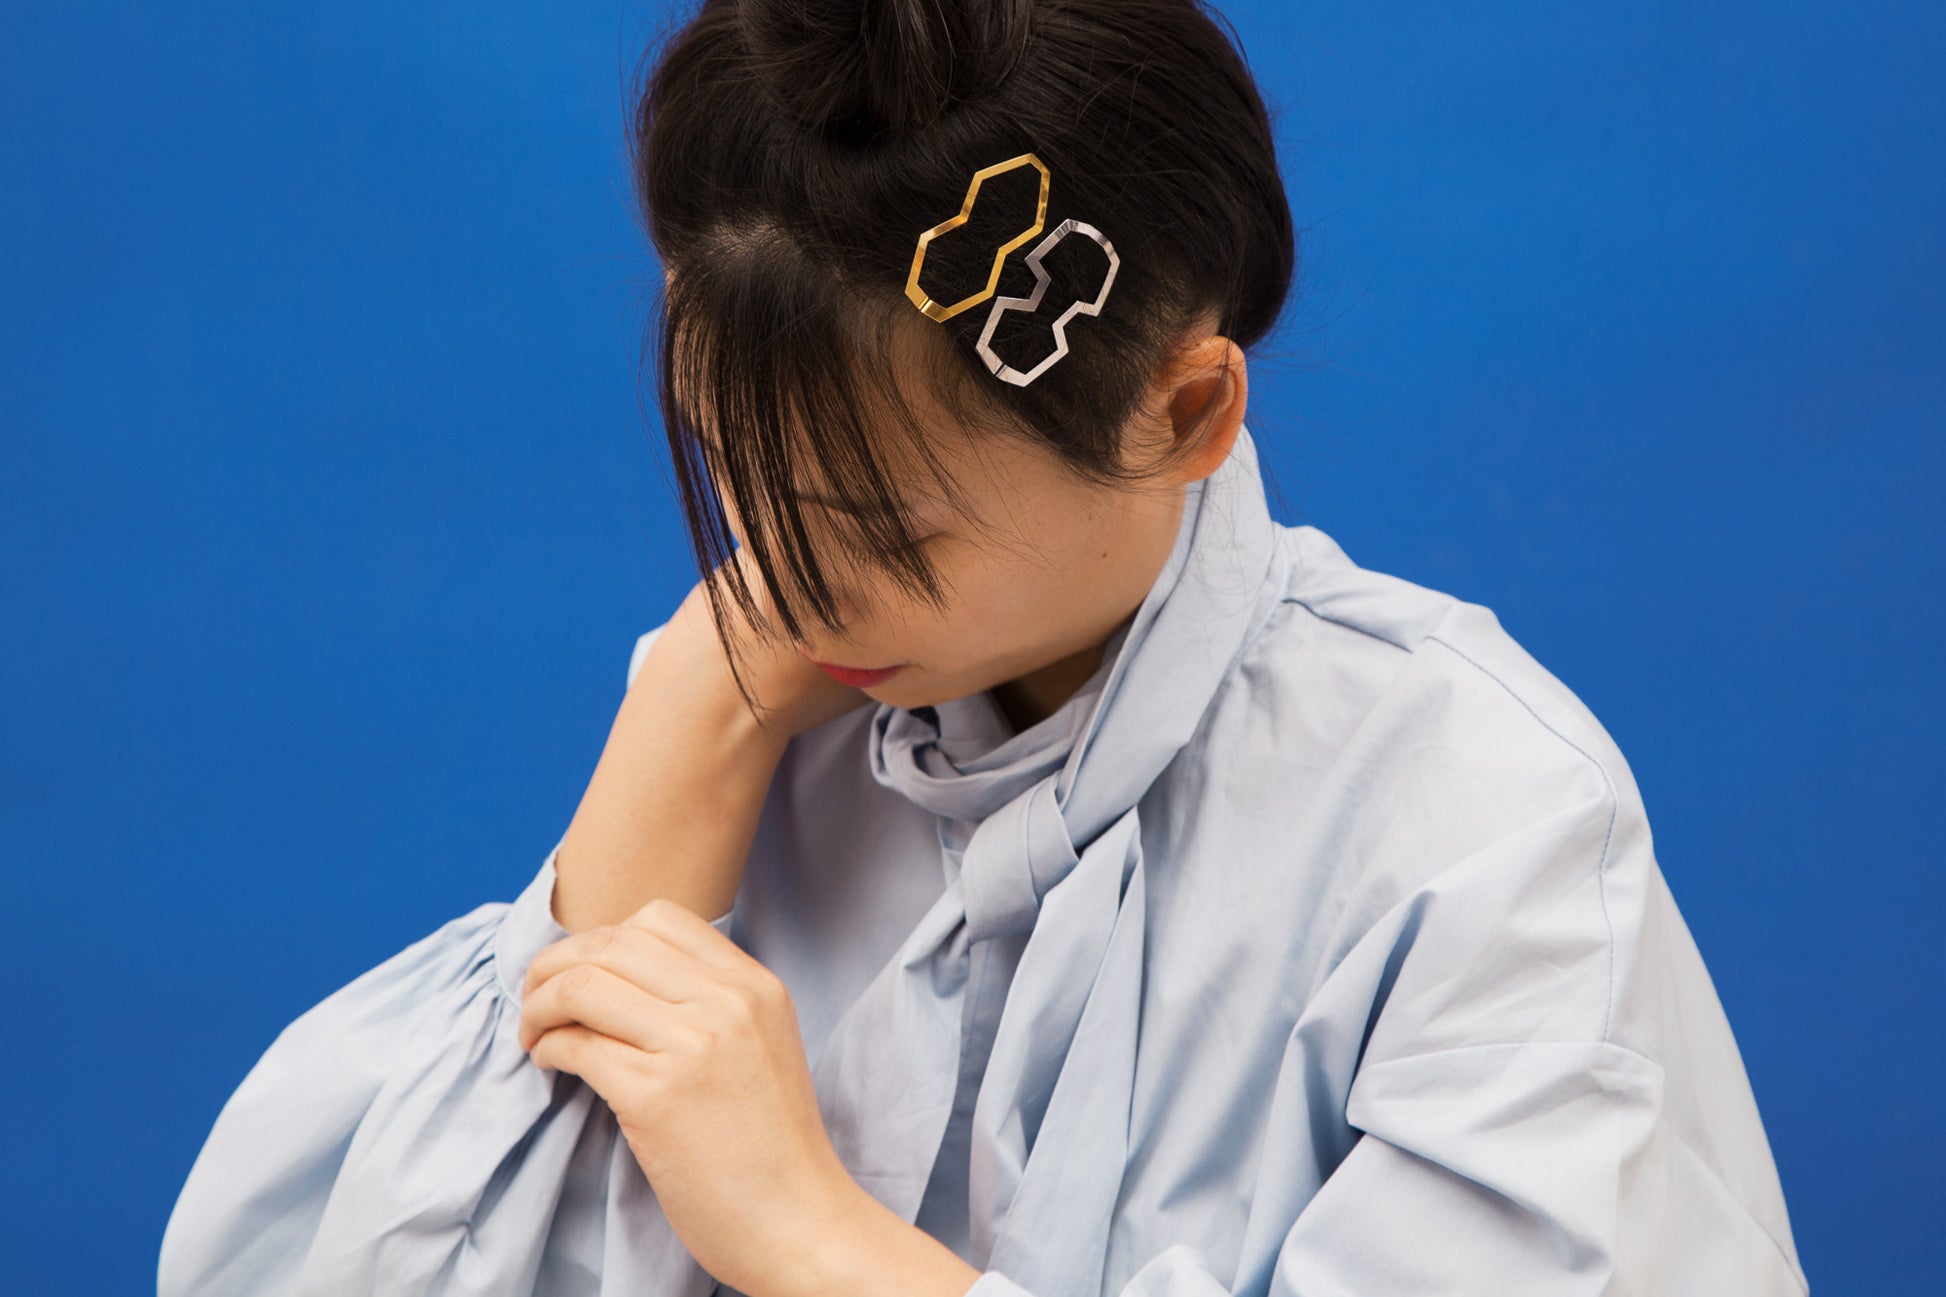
1316	946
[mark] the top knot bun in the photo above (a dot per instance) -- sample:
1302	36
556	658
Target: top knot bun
862	68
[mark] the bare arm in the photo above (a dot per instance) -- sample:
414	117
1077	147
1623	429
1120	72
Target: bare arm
672	807
671	812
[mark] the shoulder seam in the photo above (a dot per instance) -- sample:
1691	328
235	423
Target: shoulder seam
1301	602
1614	802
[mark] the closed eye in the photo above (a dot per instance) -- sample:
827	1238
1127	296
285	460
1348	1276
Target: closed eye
878	556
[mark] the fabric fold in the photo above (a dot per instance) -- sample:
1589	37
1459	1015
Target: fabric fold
1316	943
1055	852
396	1138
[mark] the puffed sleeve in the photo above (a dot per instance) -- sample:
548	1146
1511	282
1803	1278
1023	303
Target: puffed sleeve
396	1138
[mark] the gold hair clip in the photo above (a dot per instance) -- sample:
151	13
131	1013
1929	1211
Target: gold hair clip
918	294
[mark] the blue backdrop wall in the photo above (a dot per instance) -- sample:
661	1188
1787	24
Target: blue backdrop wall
329	514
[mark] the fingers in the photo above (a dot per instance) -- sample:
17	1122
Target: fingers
689	932
604	1063
632	952
590	996
639	982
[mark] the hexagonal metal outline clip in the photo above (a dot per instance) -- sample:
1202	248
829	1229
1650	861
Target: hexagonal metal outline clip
918	295
1001	369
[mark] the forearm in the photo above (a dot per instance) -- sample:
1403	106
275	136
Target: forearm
672	807
861	1248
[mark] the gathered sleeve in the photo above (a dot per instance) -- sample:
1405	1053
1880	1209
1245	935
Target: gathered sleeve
396	1138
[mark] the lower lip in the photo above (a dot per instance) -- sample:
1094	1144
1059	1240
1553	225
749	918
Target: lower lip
858	679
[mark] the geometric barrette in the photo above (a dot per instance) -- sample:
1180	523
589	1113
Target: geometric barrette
1032	301
918	295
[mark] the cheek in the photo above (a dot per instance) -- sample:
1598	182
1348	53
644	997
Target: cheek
1006	603
998	604
884	613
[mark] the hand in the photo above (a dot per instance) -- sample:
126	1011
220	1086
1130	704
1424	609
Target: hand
695	1047
798	695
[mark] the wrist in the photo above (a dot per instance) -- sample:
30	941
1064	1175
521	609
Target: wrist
859	1247
686	683
688	668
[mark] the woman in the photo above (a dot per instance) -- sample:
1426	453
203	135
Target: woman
1020	866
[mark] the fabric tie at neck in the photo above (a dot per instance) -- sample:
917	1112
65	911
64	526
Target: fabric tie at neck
1049	844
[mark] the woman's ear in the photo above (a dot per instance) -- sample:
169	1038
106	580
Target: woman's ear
1212	386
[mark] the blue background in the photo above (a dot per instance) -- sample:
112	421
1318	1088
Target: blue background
329	512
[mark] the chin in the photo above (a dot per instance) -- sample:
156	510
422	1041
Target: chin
904	693
914	687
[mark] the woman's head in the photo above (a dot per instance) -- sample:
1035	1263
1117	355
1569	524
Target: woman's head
788	155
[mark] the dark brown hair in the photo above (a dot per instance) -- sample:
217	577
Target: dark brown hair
788	153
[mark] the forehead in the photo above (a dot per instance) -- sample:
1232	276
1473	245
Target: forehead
932	459
868	403
921	482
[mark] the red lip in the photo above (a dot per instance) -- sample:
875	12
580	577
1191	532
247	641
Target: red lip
856	677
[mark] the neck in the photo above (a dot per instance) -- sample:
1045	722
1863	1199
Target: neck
1029	699
1034	697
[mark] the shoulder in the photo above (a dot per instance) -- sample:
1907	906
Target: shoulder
1433	787
1394	699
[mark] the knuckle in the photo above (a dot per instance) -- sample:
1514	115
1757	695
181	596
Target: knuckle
699	1041
654	1085
770	990
746	1002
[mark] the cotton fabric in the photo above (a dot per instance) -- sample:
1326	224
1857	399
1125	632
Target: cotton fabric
1316	946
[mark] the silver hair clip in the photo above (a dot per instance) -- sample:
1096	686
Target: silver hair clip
1007	373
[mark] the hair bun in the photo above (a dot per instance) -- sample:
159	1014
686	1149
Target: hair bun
865	67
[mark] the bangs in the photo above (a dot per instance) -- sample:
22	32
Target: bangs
778	383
